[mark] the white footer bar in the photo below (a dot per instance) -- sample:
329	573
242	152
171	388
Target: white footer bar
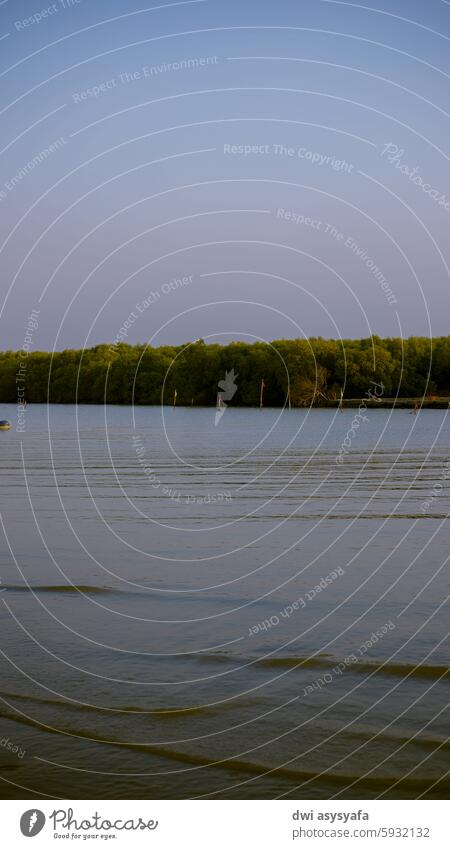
225	824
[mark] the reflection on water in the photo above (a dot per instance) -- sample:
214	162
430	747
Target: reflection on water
230	611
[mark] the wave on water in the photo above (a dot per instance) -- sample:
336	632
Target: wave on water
194	761
58	588
433	672
160	712
421	742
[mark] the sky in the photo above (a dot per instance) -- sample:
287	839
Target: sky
223	170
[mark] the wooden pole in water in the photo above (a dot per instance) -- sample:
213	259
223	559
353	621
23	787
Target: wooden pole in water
175	397
289	397
340	402
261	391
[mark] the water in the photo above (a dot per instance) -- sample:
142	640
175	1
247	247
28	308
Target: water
230	611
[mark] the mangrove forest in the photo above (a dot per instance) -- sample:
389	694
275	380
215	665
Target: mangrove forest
315	371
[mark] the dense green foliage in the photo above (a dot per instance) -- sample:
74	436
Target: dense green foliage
317	369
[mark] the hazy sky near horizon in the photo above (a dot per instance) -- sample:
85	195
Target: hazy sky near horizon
223	170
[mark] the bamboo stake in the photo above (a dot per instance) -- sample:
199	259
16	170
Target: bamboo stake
261	391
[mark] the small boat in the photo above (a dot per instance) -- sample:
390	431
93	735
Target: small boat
5	425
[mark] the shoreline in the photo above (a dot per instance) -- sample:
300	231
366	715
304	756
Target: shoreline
393	403
346	403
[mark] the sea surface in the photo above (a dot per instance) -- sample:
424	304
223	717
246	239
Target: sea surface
250	606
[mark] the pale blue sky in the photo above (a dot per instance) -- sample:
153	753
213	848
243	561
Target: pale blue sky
306	234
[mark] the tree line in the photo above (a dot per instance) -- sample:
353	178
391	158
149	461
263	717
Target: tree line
312	371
